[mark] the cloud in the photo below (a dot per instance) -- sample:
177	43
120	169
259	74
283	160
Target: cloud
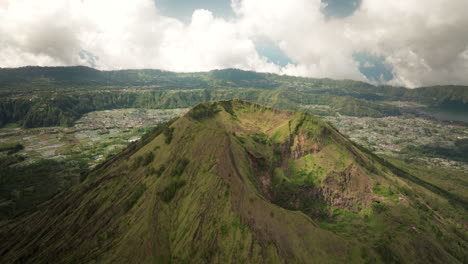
120	34
422	42
31	33
305	35
210	43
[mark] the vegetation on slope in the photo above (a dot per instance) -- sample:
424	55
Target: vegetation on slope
243	183
23	188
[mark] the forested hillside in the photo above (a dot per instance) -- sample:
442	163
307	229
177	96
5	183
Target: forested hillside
51	96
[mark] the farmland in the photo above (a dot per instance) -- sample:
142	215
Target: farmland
94	137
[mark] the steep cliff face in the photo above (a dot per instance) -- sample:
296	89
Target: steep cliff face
233	182
310	161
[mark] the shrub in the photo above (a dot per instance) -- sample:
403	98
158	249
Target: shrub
160	171
150	171
147	158
137	162
168	133
379	207
179	167
260	138
170	191
224	229
153	171
143	160
135	196
11	148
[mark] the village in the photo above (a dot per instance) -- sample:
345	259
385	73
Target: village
392	136
94	137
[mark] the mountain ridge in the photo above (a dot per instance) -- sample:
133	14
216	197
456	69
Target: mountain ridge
228	74
58	96
232	181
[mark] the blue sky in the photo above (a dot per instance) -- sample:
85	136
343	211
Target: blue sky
183	9
373	67
340	8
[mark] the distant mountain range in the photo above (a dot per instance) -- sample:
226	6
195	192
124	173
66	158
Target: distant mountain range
85	76
51	96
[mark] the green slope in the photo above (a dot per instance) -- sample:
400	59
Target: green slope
53	96
236	182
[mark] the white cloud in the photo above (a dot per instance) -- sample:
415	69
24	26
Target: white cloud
120	34
424	41
209	43
304	34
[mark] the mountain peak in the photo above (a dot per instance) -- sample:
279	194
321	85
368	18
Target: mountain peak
231	182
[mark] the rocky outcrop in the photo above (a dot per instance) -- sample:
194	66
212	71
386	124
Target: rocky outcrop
349	189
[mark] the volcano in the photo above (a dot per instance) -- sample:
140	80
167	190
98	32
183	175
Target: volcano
236	182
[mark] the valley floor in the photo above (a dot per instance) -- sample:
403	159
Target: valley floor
404	136
94	137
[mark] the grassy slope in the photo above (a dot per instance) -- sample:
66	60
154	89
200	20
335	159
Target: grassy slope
235	182
450	180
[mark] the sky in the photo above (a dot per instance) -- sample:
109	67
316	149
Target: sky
409	43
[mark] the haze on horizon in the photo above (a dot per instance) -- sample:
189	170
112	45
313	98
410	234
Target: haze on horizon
403	42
